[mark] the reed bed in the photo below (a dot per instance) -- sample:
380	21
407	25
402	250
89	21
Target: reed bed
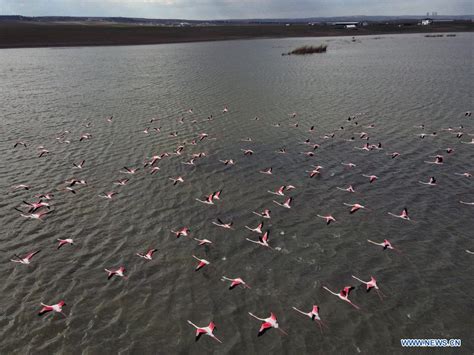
308	50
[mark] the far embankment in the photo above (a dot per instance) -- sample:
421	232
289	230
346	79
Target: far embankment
16	34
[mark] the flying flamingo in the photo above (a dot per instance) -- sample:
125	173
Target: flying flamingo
385	244
267	171
108	195
119	272
468	175
328	218
228	162
372	284
21	187
202	263
431	182
372	178
343	295
313	315
267	323
85	137
183	232
208	201
80	165
209	330
43	152
36	215
365	147
20	143
286	204
189	162
265	213
148	255
348	189
438	160
33	206
262	240
65	241
257	229
25	259
129	170
235	282
354	207
247	151
58	308
121	182
219	223
313	172
203	241
403	215
176	180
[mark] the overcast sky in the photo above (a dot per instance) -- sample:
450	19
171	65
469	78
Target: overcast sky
225	9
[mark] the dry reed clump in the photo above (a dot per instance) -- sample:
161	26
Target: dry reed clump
308	50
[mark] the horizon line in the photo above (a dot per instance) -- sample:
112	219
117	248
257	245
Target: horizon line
238	19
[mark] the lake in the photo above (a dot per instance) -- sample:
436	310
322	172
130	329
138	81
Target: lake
389	85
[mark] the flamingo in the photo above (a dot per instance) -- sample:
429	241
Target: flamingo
354	207
209	331
58	308
328	218
65	241
202	263
372	284
286	204
235	282
148	255
219	223
183	232
403	215
262	240
203	241
343	295
313	315
25	259
385	244
267	323
119	272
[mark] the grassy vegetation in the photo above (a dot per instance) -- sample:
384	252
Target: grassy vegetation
309	50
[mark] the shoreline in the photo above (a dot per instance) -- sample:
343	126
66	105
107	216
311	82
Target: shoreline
28	35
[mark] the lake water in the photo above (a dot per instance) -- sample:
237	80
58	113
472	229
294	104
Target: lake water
392	82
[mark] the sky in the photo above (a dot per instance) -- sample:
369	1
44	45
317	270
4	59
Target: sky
231	9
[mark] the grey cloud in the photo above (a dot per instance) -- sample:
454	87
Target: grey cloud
221	9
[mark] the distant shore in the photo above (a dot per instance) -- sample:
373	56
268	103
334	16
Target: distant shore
27	35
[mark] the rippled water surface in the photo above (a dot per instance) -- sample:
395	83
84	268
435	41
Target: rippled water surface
392	82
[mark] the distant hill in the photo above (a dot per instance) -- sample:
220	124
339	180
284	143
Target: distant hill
184	22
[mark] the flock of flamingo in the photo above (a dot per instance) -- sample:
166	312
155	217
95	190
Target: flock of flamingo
40	208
